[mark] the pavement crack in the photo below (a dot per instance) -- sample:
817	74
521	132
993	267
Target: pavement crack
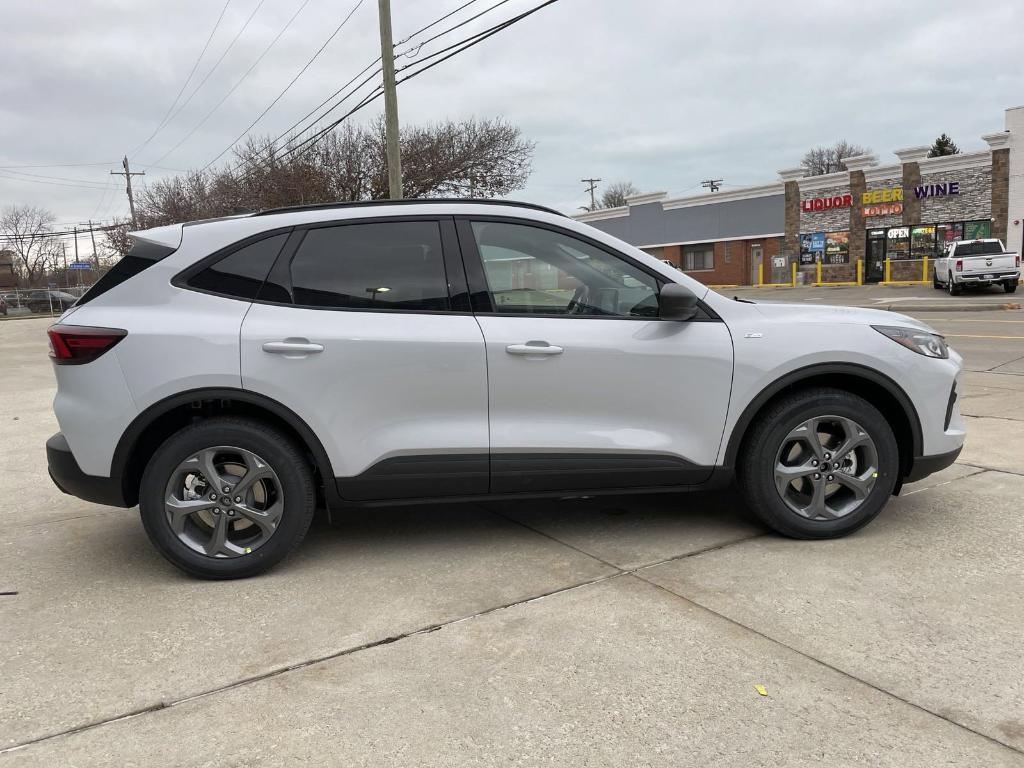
837	670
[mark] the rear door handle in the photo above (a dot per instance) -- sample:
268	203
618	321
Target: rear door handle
292	347
533	348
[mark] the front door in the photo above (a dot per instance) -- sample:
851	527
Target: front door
588	388
358	331
875	268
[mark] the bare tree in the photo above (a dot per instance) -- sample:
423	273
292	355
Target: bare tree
822	160
616	193
26	229
116	242
466	158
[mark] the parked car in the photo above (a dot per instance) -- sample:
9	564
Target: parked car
44	301
227	376
978	263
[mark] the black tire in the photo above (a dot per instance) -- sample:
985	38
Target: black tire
276	449
757	459
935	280
1010	286
953	288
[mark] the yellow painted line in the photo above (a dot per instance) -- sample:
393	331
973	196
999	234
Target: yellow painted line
970	336
952	320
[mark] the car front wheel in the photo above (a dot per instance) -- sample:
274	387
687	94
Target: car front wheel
226	498
819	464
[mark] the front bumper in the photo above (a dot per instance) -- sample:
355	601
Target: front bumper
69	477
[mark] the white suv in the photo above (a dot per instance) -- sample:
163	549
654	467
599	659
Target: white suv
229	376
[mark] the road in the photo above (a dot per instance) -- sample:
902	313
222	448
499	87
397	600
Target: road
607	633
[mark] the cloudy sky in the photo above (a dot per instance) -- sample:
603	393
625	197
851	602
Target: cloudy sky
663	93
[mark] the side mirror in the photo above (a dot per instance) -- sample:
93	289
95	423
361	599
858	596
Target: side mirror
676	302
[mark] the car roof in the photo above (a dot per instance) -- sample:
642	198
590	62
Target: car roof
408	202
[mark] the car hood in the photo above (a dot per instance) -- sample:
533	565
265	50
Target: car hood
833	315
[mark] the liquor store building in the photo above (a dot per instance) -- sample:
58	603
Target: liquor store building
893	218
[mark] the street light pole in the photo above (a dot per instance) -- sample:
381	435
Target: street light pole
387	57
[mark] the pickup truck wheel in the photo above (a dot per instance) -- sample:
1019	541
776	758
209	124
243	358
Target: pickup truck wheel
226	498
953	288
1010	286
935	280
818	464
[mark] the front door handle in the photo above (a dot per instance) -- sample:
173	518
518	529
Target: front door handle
533	348
292	347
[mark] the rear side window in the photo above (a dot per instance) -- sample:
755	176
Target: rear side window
141	256
241	273
393	265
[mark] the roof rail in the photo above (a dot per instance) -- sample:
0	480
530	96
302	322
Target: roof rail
408	201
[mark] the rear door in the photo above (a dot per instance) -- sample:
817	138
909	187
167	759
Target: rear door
589	389
363	329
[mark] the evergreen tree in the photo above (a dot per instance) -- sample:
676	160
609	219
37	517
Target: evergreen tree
943	146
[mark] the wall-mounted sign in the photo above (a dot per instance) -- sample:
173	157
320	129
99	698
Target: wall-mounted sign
876	196
897	233
885	209
812	244
937	190
826	203
837	248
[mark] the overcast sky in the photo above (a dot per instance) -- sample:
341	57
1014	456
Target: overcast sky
663	93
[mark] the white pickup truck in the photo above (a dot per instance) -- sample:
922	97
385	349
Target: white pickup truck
976	262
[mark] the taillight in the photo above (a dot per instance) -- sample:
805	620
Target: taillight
77	344
959	265
1018	261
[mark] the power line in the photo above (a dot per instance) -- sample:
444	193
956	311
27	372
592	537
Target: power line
195	66
217	63
288	87
435	22
55	165
288	132
465	44
238	83
445	31
49	183
55	178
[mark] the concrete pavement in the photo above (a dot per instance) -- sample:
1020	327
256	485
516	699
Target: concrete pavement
606	632
898	298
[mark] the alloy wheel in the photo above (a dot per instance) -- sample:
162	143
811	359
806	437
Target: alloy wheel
224	502
826	467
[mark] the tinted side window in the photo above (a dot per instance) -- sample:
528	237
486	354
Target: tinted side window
530	270
393	265
240	274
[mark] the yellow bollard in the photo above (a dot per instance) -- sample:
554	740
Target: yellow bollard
817	272
860	272
760	274
924	270
888	270
793	270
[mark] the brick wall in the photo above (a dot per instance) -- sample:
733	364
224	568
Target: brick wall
733	261
973	202
833	220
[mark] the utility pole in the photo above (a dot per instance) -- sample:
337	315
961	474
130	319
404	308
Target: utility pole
76	244
128	173
387	57
712	184
95	256
593	186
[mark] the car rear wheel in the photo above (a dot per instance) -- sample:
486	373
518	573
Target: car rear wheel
1010	286
227	498
953	288
819	464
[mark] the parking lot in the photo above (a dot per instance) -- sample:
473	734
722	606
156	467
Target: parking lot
613	632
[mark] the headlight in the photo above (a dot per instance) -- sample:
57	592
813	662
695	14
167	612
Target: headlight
922	342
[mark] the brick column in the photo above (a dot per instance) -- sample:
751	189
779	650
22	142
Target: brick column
1000	192
791	237
858	243
909	157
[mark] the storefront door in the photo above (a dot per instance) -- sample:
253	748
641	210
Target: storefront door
874	269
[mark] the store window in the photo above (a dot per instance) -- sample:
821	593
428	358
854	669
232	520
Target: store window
922	242
697	257
837	248
947	233
977	230
897	243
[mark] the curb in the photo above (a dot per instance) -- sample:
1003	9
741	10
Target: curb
949	308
